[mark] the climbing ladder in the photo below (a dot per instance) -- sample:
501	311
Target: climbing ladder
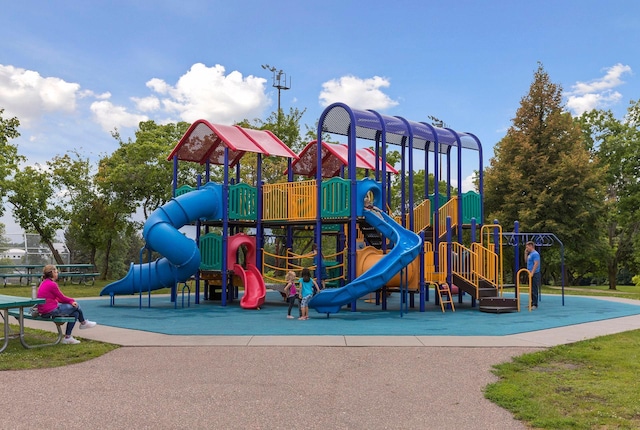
446	298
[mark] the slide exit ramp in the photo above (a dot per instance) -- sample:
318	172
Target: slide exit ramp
255	290
406	249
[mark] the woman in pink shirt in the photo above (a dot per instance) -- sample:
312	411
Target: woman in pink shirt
57	304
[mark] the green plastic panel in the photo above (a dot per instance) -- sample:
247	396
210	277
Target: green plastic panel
243	202
335	198
211	252
471	207
184	190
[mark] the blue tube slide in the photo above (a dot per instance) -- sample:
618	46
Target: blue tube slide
181	254
406	249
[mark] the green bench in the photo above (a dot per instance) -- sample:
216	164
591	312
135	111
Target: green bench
87	278
80	277
19	276
58	321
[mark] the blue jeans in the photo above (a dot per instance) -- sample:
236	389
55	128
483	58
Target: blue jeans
535	288
66	310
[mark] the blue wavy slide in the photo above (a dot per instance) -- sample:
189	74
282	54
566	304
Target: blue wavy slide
181	254
406	249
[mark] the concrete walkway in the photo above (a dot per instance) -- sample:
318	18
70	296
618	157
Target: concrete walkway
533	339
536	339
279	382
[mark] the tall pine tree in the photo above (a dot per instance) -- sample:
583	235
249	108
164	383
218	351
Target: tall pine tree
543	175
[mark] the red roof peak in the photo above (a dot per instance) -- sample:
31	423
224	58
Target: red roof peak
205	141
334	157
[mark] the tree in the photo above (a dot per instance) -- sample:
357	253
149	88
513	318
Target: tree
36	206
136	176
112	211
543	174
287	129
617	144
139	168
72	174
418	189
9	157
4	241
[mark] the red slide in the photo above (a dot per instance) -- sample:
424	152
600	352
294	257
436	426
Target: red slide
254	288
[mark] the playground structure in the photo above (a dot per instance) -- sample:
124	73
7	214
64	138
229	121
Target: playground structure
408	249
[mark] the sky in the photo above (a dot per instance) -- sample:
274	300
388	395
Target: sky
73	72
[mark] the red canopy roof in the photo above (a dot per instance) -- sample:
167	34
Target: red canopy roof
334	156
205	141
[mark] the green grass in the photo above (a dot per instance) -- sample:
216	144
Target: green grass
16	357
585	385
625	291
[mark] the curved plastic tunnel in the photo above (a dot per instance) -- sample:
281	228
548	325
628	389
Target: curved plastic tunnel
181	256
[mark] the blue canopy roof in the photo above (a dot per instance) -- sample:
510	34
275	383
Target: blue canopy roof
370	124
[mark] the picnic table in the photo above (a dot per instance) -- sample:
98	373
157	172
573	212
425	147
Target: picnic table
21	271
20	303
80	272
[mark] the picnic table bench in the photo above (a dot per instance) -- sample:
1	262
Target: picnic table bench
19	276
79	273
16	306
86	278
58	321
28	272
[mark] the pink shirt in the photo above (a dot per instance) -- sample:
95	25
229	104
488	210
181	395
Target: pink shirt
292	289
50	291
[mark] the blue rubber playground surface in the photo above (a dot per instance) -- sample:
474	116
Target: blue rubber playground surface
210	318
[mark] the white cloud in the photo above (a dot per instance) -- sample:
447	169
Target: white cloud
598	93
61	115
147	104
89	93
28	96
110	116
357	93
201	92
468	183
207	93
610	80
158	85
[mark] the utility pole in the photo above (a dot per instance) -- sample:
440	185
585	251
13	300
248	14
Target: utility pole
437	122
279	82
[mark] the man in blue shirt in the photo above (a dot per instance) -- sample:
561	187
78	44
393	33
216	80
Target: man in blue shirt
533	266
